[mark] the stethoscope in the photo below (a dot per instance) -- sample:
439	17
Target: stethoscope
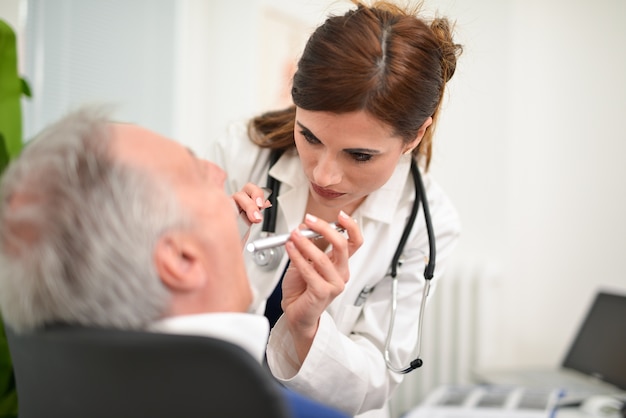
269	258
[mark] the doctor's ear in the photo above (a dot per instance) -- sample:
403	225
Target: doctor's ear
177	259
408	148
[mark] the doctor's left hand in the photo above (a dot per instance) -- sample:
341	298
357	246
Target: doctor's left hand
315	278
250	201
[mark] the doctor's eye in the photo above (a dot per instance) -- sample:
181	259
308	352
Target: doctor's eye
361	157
309	137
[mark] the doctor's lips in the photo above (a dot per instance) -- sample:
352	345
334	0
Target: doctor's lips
326	193
278	240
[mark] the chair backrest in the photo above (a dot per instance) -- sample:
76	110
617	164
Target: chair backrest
86	372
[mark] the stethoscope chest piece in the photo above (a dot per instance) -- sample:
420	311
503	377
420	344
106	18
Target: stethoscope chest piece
269	258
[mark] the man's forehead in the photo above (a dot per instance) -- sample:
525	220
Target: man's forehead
127	131
140	147
133	141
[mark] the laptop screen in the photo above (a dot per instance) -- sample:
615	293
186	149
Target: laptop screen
599	348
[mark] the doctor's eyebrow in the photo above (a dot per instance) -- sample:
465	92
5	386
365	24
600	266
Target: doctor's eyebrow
307	131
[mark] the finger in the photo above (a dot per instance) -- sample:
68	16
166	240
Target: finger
298	260
248	210
315	265
259	195
340	246
250	201
305	268
355	237
322	287
325	229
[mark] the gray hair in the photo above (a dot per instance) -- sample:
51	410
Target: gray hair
78	230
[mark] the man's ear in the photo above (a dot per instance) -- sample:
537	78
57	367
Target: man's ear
178	262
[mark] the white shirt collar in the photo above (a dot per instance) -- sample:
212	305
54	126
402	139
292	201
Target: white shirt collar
248	331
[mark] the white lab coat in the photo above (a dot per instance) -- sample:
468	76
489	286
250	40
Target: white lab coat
345	366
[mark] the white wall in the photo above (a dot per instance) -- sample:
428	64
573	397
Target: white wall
530	145
88	51
10	12
531	152
226	59
565	231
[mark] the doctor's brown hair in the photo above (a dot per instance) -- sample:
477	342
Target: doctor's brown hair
381	59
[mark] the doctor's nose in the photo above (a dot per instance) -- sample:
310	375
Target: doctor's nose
327	172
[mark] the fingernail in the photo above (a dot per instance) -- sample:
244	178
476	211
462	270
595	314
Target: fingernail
257	215
311	217
344	215
259	202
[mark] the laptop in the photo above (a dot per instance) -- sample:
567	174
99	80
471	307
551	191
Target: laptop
595	363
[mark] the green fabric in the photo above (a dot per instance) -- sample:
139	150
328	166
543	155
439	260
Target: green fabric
12	87
8	394
4	154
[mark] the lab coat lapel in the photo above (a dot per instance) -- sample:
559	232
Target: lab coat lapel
294	189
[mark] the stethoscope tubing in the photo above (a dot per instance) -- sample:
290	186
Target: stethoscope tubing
420	195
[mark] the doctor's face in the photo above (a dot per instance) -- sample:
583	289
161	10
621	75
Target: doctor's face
345	156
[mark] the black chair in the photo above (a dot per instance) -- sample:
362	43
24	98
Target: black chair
87	372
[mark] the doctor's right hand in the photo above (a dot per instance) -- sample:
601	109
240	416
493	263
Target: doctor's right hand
316	277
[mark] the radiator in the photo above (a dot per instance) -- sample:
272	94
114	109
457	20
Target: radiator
451	335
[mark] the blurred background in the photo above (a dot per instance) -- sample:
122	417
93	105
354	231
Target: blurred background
530	145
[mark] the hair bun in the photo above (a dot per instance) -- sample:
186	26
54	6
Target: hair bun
450	51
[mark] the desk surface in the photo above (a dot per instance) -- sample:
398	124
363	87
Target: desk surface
578	413
561	413
477	401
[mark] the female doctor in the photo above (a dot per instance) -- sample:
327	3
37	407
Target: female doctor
367	94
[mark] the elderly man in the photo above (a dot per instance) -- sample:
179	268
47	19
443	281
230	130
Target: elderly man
111	225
